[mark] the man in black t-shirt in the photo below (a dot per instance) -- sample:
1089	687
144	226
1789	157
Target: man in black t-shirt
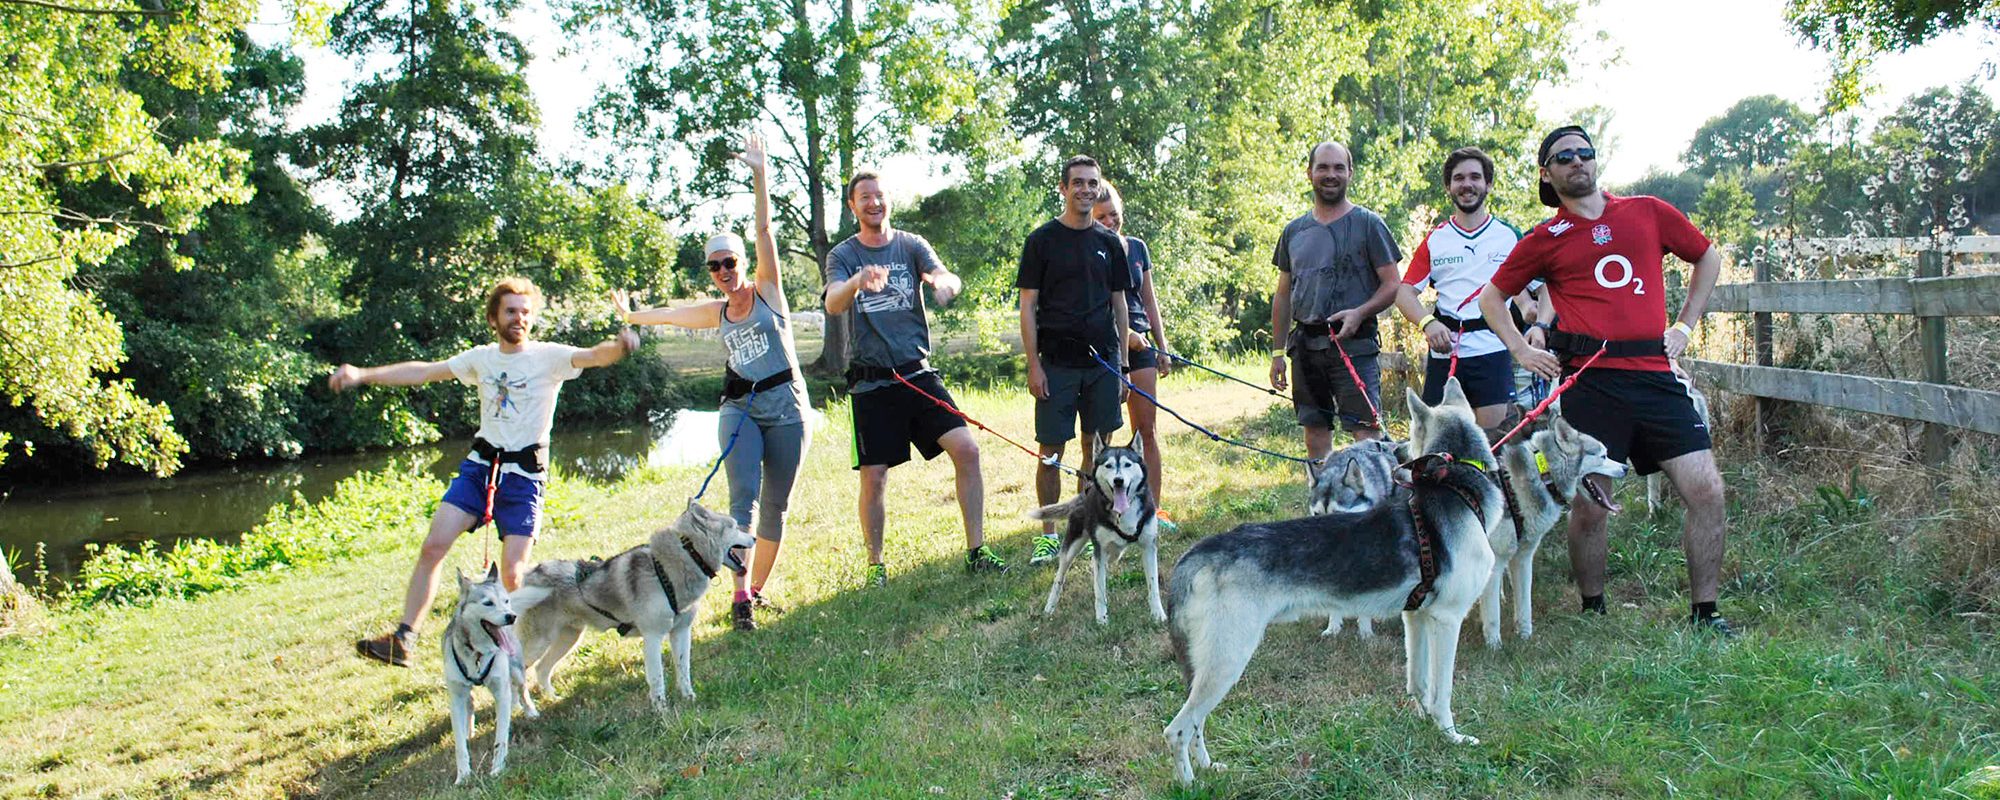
1073	280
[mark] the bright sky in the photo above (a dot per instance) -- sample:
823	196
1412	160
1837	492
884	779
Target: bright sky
1681	63
1663	69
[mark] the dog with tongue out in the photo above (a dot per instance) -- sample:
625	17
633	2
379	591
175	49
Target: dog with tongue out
1114	511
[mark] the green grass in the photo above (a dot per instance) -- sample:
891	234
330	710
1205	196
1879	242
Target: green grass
1857	677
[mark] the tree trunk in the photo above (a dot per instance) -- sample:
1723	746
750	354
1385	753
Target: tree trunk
846	85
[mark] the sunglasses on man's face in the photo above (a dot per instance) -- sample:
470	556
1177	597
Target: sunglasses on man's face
721	264
1573	155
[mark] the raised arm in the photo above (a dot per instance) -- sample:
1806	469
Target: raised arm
407	373
607	352
769	281
705	314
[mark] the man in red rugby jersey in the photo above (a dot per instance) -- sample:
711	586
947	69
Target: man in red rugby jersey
1600	256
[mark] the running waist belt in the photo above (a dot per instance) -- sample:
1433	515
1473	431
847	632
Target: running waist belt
1459	325
734	385
1576	344
529	458
1317	329
857	373
1065	351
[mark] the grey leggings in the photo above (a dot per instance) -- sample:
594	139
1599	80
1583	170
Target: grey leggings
761	469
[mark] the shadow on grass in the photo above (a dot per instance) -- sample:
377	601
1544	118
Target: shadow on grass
933	641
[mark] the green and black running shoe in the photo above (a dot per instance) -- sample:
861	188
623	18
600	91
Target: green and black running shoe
1045	549
983	559
876	577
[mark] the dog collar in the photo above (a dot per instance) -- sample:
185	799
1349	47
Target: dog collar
1541	463
1475	462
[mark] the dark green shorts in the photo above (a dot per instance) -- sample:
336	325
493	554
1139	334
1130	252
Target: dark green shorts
1089	392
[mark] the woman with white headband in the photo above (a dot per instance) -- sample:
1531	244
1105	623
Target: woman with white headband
763	382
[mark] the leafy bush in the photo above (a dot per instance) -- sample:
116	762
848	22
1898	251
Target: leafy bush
361	510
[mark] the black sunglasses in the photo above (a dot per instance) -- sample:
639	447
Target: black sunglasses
726	263
1570	156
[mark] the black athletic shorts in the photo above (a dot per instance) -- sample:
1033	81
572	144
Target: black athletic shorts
1142	358
1642	416
889	419
1488	380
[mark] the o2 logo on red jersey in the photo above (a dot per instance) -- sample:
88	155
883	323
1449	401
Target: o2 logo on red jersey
1624	274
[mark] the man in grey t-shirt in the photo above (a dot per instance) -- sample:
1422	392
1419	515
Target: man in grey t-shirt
894	393
1337	269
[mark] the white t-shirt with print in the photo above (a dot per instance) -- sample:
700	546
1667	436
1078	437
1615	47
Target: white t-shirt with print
517	391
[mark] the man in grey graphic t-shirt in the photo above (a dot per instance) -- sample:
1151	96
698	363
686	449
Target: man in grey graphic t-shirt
874	277
1336	271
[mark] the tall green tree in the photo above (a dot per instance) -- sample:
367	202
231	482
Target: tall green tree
835	84
1855	32
216	319
1204	111
86	169
1755	132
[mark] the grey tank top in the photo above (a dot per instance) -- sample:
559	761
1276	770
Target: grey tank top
760	345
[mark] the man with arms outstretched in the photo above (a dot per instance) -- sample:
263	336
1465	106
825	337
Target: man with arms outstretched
502	478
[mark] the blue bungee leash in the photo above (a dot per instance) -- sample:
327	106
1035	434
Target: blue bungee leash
1190	423
1179	359
731	445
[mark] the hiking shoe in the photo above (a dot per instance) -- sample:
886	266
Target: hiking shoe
1045	549
739	616
758	601
876	576
389	648
983	559
1716	625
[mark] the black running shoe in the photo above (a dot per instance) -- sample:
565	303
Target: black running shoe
739	615
1716	625
760	602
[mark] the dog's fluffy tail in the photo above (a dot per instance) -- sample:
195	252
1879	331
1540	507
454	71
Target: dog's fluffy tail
529	596
1060	510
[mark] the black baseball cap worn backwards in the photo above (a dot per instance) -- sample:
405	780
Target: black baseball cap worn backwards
1548	193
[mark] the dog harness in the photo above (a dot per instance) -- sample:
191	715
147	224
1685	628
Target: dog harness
659	573
1431	468
483	673
1143	518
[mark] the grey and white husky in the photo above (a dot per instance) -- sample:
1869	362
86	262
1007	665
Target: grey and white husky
1114	510
480	650
1354	479
1229	588
1542	474
654	589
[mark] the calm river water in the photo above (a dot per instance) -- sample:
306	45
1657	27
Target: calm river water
226	502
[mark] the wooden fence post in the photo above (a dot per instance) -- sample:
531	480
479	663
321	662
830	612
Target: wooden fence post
1931	345
1760	336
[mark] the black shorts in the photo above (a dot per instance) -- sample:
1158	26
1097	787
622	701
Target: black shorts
1142	358
1642	416
1488	380
1323	390
889	419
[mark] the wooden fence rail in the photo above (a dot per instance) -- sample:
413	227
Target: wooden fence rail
1930	297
